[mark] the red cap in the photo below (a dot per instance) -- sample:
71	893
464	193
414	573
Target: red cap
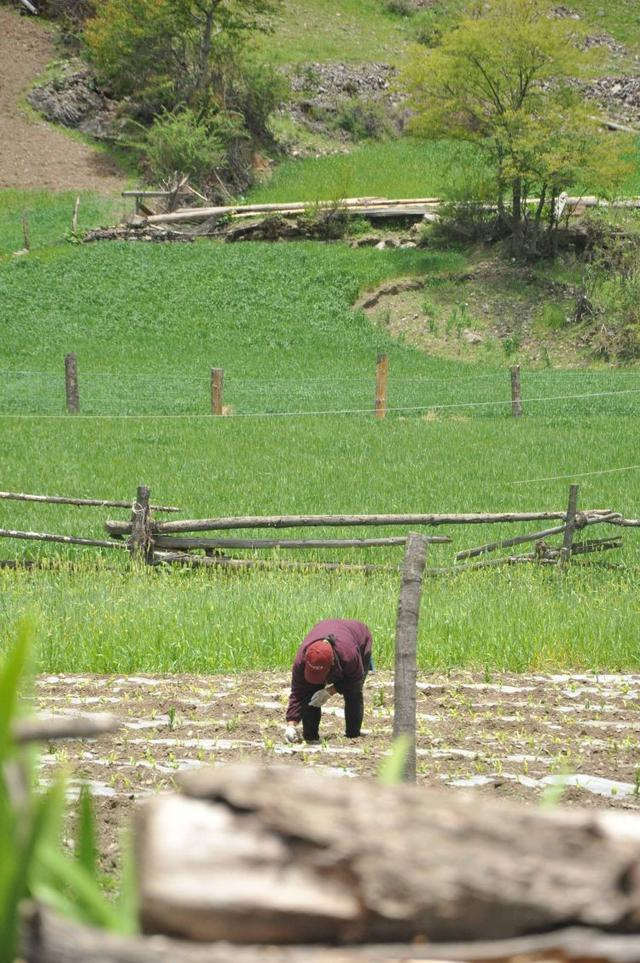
318	660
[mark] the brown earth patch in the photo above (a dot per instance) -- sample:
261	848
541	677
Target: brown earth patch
508	735
32	152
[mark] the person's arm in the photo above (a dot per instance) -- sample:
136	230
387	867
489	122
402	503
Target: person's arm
297	695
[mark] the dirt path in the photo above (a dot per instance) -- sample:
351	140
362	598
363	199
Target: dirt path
33	153
516	736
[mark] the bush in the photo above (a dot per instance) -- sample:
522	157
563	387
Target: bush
364	119
427	28
402	8
326	222
182	142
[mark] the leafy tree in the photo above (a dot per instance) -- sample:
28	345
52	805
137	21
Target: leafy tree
168	53
504	79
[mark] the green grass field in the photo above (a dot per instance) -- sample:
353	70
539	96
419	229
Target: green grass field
148	321
407	167
108	619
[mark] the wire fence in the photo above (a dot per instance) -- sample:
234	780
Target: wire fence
545	392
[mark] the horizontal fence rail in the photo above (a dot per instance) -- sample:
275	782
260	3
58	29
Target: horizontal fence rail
154	542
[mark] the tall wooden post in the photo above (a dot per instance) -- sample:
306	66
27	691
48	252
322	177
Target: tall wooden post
516	393
74	217
71	383
26	234
404	688
382	376
571	524
217	381
140	541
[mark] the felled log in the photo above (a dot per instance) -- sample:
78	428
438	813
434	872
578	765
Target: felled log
222	561
64	500
62	539
117	528
284	855
48	938
167	541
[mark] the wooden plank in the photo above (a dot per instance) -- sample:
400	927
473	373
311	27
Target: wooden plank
63	500
168	541
404	686
62	539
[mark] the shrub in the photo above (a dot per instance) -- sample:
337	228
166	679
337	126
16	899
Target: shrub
326	222
182	142
427	28
553	316
402	8
364	119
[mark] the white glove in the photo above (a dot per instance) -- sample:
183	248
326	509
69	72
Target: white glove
292	733
320	697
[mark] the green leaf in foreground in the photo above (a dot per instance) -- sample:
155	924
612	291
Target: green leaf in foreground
392	769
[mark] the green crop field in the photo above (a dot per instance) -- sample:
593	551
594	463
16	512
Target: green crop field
148	321
407	167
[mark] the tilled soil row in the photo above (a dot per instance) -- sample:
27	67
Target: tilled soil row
572	737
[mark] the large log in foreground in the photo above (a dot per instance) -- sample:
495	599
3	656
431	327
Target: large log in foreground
48	938
283	855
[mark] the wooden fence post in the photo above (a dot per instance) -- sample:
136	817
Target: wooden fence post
71	383
140	541
217	380
382	375
516	393
26	234
404	687
74	217
571	525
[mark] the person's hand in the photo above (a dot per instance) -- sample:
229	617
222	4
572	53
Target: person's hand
292	733
320	697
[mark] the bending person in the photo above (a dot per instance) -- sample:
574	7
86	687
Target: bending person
335	656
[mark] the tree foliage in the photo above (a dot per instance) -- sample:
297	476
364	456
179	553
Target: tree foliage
169	53
504	79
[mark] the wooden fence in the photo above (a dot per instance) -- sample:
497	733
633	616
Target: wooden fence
156	542
379	409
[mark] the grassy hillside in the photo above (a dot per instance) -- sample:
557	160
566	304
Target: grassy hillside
364	30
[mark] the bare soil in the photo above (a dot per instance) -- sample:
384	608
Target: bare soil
490	313
32	152
519	736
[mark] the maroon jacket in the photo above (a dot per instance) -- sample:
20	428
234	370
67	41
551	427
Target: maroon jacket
353	644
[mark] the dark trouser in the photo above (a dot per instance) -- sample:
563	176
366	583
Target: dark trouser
353	714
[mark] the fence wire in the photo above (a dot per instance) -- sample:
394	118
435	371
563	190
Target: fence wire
546	392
